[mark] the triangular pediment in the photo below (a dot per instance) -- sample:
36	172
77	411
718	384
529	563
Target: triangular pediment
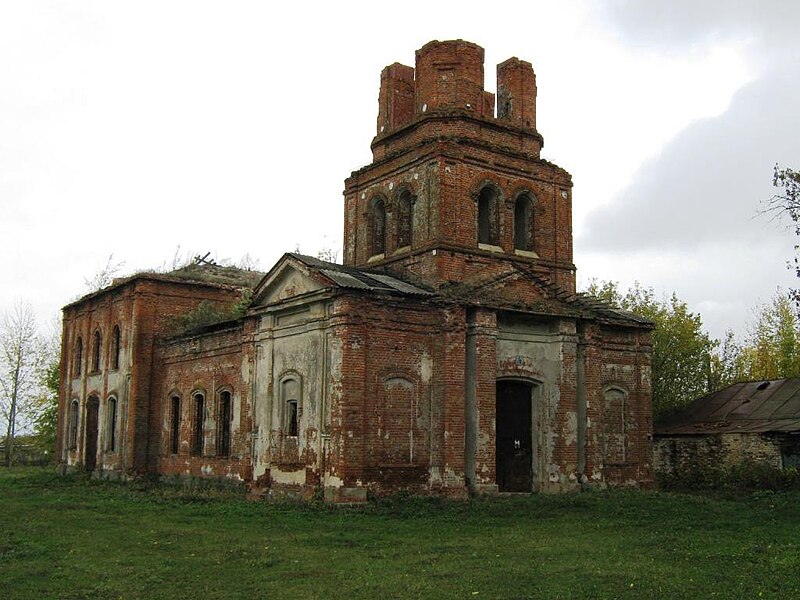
288	279
510	284
516	289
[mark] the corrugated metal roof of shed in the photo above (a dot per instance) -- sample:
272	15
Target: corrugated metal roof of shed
754	406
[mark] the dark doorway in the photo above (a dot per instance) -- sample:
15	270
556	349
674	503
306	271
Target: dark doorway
514	439
90	450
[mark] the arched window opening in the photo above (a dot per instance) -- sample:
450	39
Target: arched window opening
488	230
73	425
175	424
91	431
96	352
199	422
290	394
378	227
523	223
291	421
404	219
111	425
78	356
115	348
225	418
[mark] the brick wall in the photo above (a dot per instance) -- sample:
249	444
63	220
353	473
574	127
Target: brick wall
206	365
143	308
443	152
681	454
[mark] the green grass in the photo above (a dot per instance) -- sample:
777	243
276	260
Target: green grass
67	537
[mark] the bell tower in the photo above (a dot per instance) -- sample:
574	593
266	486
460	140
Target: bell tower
457	189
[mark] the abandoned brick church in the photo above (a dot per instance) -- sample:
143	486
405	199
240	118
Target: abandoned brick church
448	354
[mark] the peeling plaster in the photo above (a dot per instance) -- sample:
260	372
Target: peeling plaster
571	434
334	481
425	367
297	477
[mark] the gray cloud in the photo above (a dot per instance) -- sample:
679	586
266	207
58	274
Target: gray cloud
707	183
688	221
770	24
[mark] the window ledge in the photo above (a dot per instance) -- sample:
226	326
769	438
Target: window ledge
402	249
376	257
490	247
528	253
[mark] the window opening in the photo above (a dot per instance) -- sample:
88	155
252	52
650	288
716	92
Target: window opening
378	227
111	433
404	219
175	425
78	356
199	412
292	418
523	223
115	348
91	433
225	416
487	217
291	395
73	425
96	352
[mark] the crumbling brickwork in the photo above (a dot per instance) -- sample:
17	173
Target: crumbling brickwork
687	454
450	354
140	311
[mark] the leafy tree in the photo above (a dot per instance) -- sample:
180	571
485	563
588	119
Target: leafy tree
788	199
772	350
21	354
46	420
45	407
681	350
726	363
787	202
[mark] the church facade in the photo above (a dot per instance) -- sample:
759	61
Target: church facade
448	354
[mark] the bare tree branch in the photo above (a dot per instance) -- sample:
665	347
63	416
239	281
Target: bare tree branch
21	361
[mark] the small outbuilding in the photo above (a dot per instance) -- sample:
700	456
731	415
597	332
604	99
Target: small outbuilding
756	421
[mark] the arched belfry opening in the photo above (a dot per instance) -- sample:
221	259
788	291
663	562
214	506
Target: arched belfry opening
523	223
405	219
378	226
488	222
515	440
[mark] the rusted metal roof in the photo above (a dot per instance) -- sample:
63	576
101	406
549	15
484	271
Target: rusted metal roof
751	407
555	300
361	279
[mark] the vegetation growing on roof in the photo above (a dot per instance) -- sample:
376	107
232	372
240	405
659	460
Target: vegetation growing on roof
219	274
208	313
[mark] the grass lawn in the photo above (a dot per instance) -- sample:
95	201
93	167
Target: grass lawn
66	537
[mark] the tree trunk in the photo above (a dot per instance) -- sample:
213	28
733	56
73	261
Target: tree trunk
12	413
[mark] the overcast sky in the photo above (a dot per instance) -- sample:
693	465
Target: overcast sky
142	129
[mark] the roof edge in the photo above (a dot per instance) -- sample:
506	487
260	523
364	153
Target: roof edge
147	276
